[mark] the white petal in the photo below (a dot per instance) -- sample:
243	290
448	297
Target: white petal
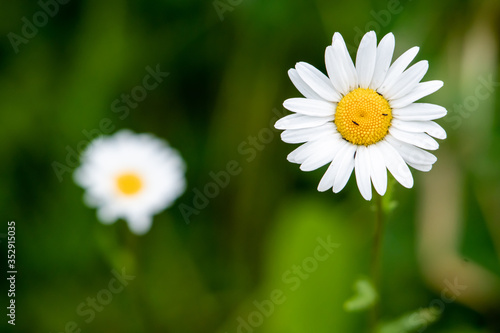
347	61
421	90
410	153
296	121
397	68
366	58
307	134
395	164
306	150
300	154
339	65
90	200
329	177
362	171
301	86
107	214
385	51
310	107
407	81
345	164
428	127
336	72
421	140
421	167
139	224
419	111
435	130
325	154
378	172
318	81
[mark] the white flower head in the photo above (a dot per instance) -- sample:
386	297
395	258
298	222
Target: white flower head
130	176
363	116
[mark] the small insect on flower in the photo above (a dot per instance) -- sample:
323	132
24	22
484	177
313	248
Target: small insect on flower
130	176
363	116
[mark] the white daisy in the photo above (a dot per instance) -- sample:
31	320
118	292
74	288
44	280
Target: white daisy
130	176
363	117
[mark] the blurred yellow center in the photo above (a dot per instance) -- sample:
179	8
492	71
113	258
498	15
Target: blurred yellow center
128	183
363	117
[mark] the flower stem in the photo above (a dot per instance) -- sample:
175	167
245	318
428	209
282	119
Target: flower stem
375	262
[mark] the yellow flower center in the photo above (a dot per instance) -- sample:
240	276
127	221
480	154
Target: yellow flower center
363	117
128	183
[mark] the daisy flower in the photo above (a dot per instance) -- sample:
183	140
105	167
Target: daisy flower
363	116
130	176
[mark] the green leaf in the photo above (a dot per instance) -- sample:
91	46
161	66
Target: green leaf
364	298
411	322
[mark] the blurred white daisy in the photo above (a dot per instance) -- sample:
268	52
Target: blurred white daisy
130	176
363	117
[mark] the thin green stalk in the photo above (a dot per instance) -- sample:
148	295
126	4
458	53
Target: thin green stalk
375	262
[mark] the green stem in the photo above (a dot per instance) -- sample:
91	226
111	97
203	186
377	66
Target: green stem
375	262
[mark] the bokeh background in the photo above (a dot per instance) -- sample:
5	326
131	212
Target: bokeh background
227	63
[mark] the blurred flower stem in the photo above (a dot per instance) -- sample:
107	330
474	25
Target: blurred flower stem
118	247
377	240
375	260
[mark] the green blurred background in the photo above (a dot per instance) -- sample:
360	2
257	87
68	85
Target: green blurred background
227	64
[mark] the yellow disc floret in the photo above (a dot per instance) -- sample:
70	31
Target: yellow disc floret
128	184
363	117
